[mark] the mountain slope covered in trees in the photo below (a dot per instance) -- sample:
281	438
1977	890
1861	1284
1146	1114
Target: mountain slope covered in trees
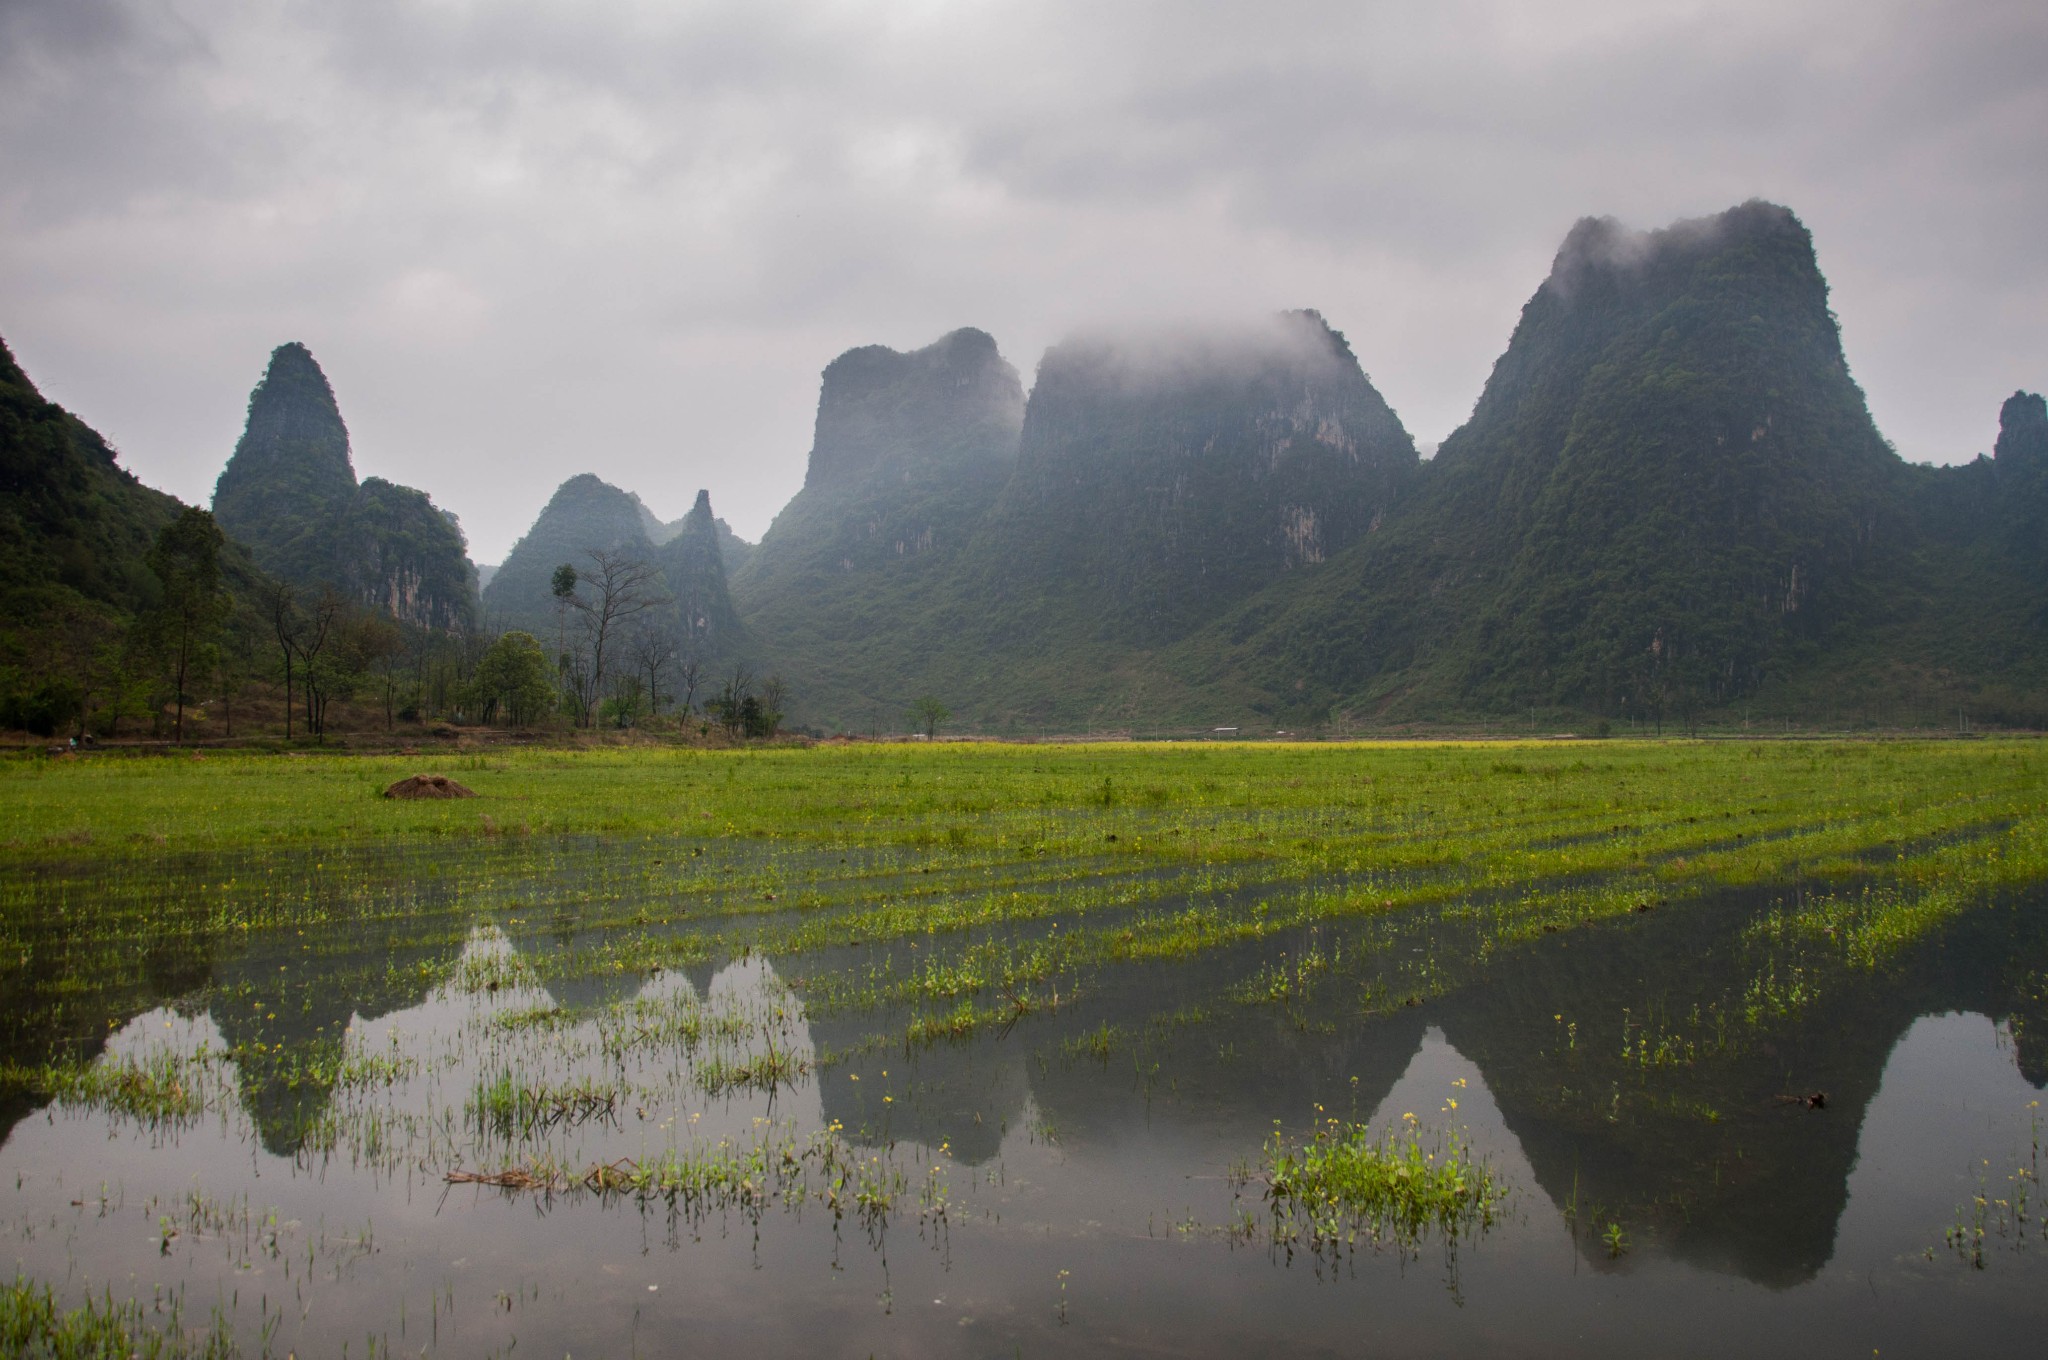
1670	498
81	595
74	524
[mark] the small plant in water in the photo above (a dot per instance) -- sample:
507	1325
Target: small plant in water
1614	1239
1347	1182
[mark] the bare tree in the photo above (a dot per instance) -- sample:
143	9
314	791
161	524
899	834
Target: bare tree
654	652
622	587
286	623
689	671
316	664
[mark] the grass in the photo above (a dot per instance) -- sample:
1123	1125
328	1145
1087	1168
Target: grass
1346	1184
36	1326
974	885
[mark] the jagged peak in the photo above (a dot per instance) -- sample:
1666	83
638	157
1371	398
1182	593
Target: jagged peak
2022	429
699	522
294	400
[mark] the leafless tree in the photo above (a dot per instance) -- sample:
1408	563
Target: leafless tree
317	628
622	587
688	672
286	623
654	652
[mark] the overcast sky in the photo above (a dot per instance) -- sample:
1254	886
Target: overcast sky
528	239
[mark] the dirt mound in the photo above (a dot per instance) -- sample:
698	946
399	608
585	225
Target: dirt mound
428	786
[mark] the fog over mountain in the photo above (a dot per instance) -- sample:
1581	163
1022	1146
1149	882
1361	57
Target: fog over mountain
529	241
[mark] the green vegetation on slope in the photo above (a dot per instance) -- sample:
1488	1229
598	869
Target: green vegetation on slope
289	492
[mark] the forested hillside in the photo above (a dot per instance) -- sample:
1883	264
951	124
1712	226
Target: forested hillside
1669	499
86	610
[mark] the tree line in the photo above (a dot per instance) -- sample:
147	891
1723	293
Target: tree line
198	647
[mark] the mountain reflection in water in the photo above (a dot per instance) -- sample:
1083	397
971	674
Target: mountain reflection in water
1088	1152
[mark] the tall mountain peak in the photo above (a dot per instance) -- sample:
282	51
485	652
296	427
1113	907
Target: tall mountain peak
882	410
289	491
293	421
1665	490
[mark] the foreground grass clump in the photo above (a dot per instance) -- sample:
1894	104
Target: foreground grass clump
33	1325
1348	1184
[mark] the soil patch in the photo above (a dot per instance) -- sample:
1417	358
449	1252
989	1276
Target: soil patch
429	786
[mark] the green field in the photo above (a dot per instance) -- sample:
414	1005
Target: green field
670	857
1643	936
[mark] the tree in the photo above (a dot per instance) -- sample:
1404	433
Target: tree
774	694
512	678
734	701
322	671
281	607
183	630
622	587
654	651
927	713
88	648
688	672
562	585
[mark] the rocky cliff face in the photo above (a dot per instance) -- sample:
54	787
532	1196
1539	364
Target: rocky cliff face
409	559
290	493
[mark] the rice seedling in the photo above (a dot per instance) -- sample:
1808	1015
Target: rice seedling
1347	1185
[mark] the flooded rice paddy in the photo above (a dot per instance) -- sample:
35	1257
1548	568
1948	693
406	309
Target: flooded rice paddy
1672	1050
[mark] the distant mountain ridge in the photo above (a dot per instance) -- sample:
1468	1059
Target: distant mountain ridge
587	515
